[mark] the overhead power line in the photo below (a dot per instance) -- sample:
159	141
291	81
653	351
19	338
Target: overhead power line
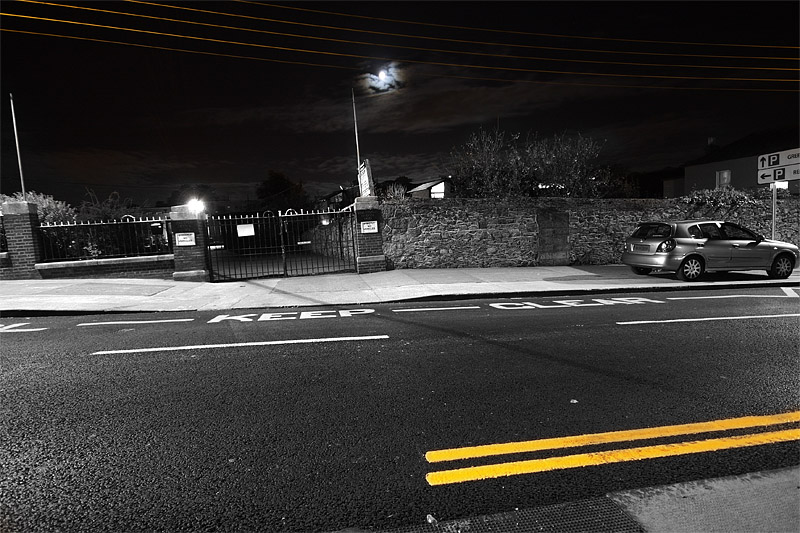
415	48
388	59
461	41
477	78
562	36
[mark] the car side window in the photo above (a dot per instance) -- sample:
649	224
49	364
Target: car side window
710	231
734	232
695	232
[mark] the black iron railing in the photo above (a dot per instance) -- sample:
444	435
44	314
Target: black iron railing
105	240
289	244
3	241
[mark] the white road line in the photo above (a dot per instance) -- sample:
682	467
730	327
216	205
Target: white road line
726	296
434	309
15	328
704	319
241	344
127	322
790	292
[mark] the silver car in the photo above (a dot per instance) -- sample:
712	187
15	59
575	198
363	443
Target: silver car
692	247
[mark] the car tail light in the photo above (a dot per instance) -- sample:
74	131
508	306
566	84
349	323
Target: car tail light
666	246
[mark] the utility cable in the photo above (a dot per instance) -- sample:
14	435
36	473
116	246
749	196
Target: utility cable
321	65
458	52
514	32
461	41
386	59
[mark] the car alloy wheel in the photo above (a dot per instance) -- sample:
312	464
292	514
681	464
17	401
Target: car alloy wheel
691	269
781	268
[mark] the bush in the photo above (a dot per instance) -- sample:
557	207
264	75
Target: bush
50	210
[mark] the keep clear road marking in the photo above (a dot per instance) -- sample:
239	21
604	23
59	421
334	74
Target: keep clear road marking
611	456
242	344
16	328
127	322
708	319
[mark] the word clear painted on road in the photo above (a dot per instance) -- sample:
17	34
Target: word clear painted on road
599	458
779	166
291	315
564	304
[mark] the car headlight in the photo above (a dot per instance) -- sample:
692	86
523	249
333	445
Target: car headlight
666	246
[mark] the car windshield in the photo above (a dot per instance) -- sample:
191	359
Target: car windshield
648	231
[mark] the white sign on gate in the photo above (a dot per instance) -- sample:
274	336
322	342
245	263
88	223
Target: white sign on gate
245	230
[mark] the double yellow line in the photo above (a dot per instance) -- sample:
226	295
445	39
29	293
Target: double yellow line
474	473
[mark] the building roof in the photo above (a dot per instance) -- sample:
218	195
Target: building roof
775	140
427	185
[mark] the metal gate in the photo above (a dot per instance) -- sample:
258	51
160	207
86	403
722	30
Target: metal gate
286	244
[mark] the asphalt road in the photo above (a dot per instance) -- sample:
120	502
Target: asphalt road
309	420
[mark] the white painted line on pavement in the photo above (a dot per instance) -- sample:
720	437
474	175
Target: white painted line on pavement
127	322
790	292
241	344
435	309
704	319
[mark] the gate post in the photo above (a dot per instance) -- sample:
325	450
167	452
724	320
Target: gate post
369	240
21	223
190	244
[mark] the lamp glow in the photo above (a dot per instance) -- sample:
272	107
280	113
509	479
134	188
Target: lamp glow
196	206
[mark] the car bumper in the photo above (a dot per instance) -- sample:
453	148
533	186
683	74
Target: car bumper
657	261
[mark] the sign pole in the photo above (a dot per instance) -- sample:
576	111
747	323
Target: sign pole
16	140
774	206
355	123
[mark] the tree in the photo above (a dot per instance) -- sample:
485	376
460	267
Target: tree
112	208
496	165
50	210
279	193
490	164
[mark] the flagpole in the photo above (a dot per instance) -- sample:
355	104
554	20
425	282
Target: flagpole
355	123
16	139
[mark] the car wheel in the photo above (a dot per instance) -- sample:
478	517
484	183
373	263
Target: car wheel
691	269
781	268
641	271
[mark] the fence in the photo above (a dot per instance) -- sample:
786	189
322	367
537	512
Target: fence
105	240
3	241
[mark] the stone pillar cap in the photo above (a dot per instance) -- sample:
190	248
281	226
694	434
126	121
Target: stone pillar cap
19	208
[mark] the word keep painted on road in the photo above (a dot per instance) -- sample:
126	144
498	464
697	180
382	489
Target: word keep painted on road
779	166
291	315
564	304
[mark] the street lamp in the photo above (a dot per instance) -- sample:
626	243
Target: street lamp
196	206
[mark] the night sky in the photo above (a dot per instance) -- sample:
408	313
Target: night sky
228	105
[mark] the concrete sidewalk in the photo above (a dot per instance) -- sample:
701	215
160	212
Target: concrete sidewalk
131	295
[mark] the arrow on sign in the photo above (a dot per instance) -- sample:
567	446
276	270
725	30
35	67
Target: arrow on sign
15	328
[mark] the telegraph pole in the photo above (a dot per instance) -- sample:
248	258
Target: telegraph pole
16	139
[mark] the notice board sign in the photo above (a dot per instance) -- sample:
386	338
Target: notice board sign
184	239
370	226
245	230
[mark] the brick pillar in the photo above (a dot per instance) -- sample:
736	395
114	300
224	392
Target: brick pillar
21	223
189	244
369	240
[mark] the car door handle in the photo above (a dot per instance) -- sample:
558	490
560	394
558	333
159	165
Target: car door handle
735	245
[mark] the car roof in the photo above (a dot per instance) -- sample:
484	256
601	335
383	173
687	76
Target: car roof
683	222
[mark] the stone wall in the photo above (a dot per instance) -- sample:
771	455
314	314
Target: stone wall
457	233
